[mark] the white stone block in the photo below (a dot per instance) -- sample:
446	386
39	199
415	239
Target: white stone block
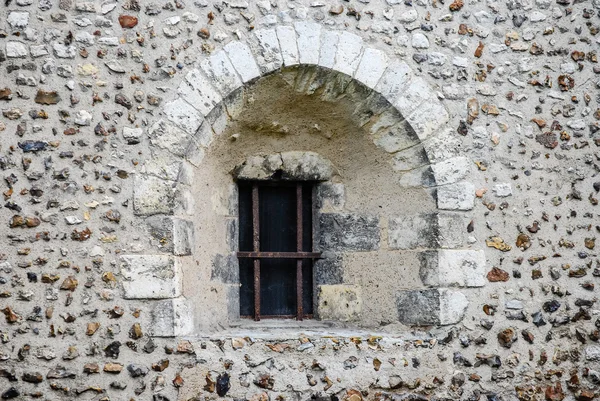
395	78
309	35
209	97
371	67
182	114
461	268
429	117
287	43
152	195
265	46
458	196
451	170
453	305
349	50
172	318
168	136
151	276
241	57
329	43
417	93
220	71
442	146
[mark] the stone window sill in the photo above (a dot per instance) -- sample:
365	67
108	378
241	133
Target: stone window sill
291	329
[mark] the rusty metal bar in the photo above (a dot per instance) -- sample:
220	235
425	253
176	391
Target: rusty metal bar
256	241
299	234
279	255
307	316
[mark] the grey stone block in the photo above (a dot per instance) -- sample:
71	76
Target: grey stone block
411	232
349	232
152	195
459	196
171	318
330	195
329	270
419	307
226	269
172	234
151	277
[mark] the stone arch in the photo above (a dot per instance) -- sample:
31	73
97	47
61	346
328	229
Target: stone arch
209	96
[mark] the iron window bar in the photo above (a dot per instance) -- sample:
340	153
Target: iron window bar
257	255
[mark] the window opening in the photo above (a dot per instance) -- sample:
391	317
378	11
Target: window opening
275	249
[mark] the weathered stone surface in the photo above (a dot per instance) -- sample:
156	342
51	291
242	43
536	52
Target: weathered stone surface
265	46
308	41
171	318
413	232
296	166
286	36
340	302
242	60
453	268
221	72
151	276
152	196
348	232
459	196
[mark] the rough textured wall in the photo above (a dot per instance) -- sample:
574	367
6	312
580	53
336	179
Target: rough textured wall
81	84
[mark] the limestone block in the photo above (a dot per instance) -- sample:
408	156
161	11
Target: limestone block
428	118
265	47
182	114
242	60
419	177
451	170
340	302
348	232
409	159
413	231
442	146
329	269
452	230
308	40
293	165
459	196
173	234
349	50
150	277
305	166
209	97
287	43
419	307
329	43
453	268
171	318
221	73
393	138
395	78
453	305
166	135
371	67
152	195
415	94
431	307
226	268
330	196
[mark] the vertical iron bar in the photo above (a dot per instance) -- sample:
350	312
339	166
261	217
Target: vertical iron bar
256	241
299	297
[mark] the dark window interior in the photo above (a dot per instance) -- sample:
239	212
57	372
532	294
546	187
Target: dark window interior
278	218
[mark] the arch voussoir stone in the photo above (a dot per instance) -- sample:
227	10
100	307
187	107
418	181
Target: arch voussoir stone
333	64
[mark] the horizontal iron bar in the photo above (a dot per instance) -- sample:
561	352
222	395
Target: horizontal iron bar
306	316
280	255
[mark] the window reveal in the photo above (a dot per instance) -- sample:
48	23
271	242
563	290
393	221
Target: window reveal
275	246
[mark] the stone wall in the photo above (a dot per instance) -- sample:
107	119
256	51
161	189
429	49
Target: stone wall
117	115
